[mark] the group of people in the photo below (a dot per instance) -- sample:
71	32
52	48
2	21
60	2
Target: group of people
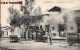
38	35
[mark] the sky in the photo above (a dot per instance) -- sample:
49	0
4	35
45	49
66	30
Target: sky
44	4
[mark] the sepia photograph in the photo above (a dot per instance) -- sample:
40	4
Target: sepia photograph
39	24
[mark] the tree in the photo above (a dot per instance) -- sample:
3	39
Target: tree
16	19
37	11
28	18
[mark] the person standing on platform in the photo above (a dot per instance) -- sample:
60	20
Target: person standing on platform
50	37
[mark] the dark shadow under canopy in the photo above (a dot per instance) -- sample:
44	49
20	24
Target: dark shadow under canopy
55	9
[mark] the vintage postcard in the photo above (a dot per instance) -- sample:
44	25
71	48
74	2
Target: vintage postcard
39	24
